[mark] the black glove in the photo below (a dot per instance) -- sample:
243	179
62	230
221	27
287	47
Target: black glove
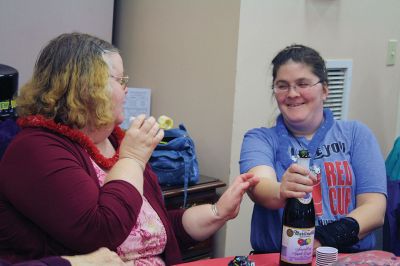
340	234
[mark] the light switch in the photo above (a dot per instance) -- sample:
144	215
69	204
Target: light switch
391	53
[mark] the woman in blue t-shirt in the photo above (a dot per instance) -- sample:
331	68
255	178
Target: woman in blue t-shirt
347	171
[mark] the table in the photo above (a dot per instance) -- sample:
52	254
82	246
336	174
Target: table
271	259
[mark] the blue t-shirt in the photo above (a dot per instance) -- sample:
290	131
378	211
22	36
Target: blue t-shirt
348	162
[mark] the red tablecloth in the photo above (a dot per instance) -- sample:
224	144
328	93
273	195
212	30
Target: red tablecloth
271	259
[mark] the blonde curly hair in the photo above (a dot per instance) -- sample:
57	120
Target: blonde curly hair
70	83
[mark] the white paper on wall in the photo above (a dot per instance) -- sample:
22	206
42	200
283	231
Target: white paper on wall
138	101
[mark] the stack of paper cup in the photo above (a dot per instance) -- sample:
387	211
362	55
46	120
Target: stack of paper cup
326	256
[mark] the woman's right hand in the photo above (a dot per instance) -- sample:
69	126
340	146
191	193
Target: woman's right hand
140	140
296	182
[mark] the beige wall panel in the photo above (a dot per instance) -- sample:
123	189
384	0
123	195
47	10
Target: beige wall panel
185	51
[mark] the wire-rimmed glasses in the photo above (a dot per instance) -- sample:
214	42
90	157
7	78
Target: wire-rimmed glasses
121	80
283	87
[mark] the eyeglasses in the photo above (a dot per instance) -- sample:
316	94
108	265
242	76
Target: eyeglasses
300	86
121	80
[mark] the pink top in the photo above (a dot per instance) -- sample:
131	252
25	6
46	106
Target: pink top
147	239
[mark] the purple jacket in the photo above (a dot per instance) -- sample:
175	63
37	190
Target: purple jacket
50	261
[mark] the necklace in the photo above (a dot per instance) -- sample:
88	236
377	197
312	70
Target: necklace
302	148
77	136
284	142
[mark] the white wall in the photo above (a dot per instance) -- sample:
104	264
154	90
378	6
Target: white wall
27	26
338	29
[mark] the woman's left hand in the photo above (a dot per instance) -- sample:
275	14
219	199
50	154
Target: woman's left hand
228	204
201	221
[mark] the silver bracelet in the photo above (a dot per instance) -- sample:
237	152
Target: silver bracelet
214	209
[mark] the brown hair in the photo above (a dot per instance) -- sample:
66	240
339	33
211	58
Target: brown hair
301	54
70	82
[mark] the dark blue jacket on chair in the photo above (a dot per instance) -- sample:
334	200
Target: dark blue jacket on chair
8	129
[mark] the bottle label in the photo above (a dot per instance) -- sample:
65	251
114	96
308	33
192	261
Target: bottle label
297	245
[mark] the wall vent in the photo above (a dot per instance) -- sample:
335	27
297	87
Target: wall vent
339	81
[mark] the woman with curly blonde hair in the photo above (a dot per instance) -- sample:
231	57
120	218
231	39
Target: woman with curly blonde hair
72	181
67	83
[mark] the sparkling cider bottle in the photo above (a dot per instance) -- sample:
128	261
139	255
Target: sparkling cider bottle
298	225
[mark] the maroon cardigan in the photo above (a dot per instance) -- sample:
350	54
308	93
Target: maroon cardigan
51	202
